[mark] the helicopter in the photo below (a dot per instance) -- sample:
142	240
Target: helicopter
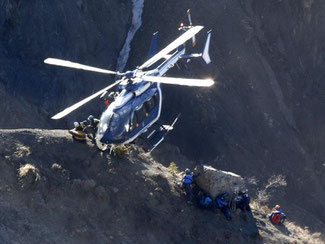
134	108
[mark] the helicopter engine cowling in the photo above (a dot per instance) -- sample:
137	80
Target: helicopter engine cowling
141	89
108	98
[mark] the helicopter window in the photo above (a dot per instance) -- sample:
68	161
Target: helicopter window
104	122
133	123
114	122
140	114
150	104
156	98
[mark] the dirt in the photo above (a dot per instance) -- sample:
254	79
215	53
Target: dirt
73	193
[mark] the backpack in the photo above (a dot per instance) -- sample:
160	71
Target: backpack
276	218
207	201
187	179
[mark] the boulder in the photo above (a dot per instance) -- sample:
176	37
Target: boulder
216	181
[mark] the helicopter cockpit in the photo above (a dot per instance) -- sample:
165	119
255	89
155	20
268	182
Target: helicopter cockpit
105	121
120	122
114	124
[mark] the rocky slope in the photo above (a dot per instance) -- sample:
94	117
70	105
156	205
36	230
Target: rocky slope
263	118
80	31
56	190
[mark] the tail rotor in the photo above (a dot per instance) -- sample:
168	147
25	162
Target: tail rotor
190	21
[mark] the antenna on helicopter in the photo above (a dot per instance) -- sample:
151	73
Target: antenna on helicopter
190	21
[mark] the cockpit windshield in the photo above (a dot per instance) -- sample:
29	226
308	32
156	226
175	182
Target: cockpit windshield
120	122
105	120
115	122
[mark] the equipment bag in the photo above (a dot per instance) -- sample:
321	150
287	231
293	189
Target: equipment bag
276	218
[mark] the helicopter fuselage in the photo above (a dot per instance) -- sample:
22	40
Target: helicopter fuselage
137	106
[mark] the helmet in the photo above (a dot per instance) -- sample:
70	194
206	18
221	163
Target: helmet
277	207
76	124
90	117
187	171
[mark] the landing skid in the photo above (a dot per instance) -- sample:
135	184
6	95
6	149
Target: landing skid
155	135
148	140
103	147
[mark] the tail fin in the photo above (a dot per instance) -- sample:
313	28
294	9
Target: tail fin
205	54
153	45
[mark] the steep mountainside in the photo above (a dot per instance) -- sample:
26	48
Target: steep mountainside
81	31
264	115
56	190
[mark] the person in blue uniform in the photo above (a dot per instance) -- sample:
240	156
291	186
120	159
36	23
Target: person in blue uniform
188	180
204	201
222	204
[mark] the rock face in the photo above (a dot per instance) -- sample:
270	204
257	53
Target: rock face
264	116
216	181
80	31
73	193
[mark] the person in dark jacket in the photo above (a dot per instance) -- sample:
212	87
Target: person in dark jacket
92	127
242	201
222	204
188	180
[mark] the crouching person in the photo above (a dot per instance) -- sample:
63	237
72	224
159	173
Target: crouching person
222	204
92	127
277	216
78	131
242	201
204	201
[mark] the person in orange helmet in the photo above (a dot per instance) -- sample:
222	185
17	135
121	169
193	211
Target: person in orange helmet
277	216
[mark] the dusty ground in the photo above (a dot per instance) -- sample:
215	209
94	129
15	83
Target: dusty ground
56	190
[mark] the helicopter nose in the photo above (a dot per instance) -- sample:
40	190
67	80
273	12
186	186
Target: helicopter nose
99	136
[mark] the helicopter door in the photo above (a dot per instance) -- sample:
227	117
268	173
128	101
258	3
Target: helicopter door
156	98
137	117
133	122
140	113
150	104
143	111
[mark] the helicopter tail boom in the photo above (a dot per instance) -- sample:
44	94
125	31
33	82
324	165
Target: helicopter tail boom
179	41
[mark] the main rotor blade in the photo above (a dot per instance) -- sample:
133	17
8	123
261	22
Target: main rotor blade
179	41
82	102
179	81
69	64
